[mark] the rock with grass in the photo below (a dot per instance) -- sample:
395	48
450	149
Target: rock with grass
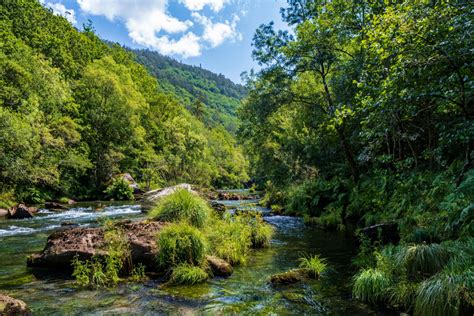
11	306
219	267
314	265
64	245
289	277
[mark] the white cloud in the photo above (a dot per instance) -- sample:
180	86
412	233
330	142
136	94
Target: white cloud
198	5
60	9
216	33
149	24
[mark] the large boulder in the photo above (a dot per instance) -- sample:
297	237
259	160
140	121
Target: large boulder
10	306
21	211
62	246
155	195
219	267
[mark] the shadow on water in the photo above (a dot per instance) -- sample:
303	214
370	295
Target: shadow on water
247	291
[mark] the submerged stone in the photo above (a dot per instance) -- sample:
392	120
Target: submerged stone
11	306
289	277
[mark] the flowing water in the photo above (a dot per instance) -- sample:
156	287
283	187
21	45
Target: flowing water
247	291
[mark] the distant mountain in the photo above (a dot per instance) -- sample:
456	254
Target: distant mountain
208	95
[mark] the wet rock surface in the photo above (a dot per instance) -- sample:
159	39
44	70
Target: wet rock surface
11	306
64	245
21	211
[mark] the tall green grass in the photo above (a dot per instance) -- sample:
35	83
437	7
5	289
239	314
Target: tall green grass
230	239
182	205
187	274
180	243
434	279
424	260
371	285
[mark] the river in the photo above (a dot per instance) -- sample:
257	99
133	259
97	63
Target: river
247	291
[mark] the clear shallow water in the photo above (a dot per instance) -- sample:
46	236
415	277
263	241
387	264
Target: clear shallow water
247	291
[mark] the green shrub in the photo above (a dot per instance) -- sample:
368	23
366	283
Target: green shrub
138	273
187	274
314	265
63	200
182	205
32	195
81	271
273	196
371	285
119	190
7	200
180	243
312	197
261	233
403	294
100	271
230	239
424	260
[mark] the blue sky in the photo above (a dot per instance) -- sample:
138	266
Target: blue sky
216	34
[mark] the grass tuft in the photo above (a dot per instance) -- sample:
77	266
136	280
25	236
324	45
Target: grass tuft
370	285
180	243
314	265
230	239
187	274
182	205
424	260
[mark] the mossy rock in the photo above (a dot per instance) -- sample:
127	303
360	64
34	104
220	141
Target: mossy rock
219	267
290	277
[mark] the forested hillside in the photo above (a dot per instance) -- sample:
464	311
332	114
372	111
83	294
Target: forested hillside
207	95
75	111
364	116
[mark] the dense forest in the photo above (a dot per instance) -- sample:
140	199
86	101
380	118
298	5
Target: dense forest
357	130
205	94
76	111
362	114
